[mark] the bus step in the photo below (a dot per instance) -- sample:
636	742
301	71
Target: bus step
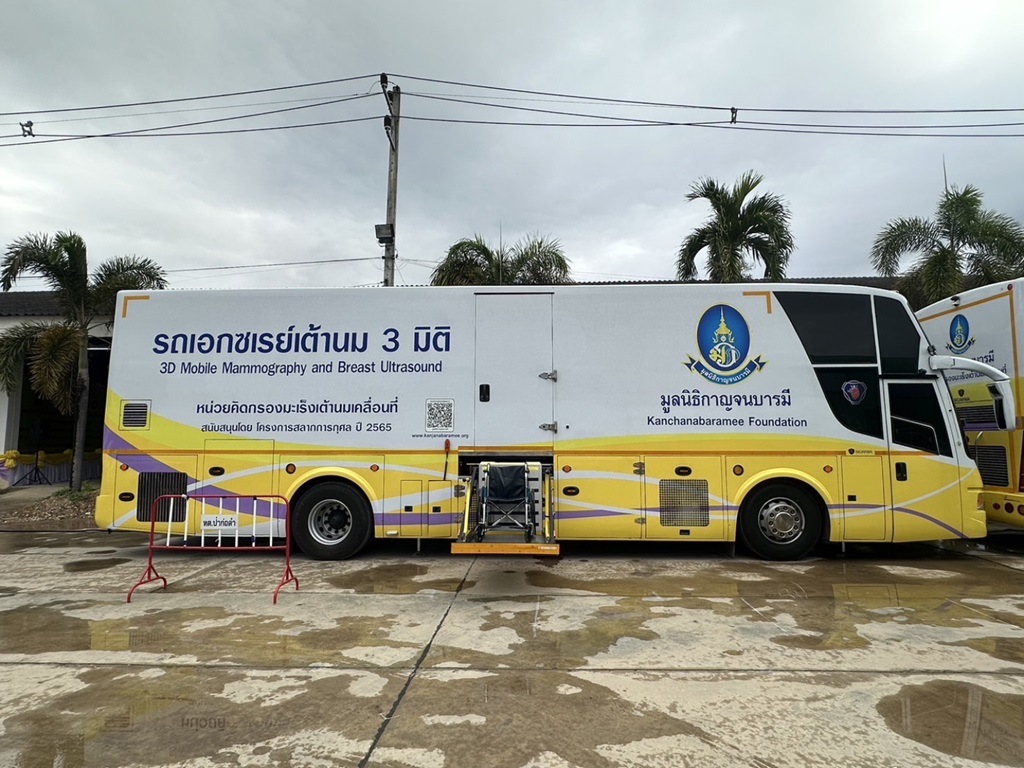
495	546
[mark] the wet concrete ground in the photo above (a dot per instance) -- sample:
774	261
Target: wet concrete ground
608	656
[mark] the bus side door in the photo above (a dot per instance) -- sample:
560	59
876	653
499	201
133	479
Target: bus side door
923	473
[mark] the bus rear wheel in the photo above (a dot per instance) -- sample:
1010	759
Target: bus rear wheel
331	521
780	522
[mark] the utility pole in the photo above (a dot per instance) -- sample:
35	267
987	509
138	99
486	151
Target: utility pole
386	232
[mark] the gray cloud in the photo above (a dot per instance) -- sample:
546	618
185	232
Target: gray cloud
614	196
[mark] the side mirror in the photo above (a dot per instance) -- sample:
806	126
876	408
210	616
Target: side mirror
1002	402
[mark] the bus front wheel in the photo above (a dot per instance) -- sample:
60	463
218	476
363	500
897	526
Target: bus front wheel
780	522
331	521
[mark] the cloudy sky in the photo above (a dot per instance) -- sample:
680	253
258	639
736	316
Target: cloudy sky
613	195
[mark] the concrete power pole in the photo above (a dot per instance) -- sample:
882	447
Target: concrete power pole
386	232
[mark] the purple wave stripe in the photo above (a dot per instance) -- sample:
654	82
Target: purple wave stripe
904	510
929	518
583	513
146	463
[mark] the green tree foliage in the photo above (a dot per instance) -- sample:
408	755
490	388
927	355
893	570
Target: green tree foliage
533	260
740	232
963	246
57	353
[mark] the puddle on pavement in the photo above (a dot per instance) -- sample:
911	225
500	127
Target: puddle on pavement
959	719
42	629
581	722
565	644
144	716
394	579
1004	648
12	543
210	634
98	564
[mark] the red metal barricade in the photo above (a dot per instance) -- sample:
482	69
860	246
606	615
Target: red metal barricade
219	510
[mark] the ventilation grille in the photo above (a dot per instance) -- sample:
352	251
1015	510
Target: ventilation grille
977	416
153	485
991	460
684	503
135	415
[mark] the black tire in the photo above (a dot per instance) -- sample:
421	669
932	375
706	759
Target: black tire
780	522
331	521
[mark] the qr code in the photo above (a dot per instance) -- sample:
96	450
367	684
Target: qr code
440	415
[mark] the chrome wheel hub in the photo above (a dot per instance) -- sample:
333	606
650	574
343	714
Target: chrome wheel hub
329	522
781	520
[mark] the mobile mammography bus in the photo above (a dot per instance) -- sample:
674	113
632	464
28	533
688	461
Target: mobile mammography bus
985	324
781	415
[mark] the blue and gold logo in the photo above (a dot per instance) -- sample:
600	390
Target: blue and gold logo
959	335
723	339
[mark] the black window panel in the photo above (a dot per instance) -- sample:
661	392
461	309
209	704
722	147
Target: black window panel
917	420
835	328
899	339
860	410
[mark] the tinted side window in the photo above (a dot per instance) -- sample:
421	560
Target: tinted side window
833	327
917	418
853	395
899	340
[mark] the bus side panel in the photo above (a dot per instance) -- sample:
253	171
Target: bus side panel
598	497
986	325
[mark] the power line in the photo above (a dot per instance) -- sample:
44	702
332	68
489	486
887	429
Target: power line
537	109
274	264
187	98
76	137
716	107
720	124
245	266
136	135
868	129
341	97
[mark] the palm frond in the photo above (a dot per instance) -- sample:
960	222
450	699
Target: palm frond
686	258
123	273
31	253
16	344
941	273
54	362
739	231
470	261
746	184
899	237
537	260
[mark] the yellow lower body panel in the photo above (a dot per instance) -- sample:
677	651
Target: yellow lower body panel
503	548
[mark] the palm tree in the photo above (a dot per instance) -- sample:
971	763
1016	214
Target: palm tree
57	353
738	229
963	241
533	260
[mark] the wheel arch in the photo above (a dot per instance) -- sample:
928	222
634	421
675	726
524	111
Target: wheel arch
308	480
796	479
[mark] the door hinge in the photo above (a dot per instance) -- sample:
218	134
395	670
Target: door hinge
549	375
639	468
550	427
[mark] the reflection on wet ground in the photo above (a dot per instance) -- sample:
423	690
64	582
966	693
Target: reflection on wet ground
962	719
610	655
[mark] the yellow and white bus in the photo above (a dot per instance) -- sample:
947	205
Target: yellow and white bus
513	419
985	324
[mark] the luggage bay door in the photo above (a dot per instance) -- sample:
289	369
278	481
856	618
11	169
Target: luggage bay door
515	380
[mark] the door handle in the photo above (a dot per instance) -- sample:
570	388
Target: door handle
901	470
485	393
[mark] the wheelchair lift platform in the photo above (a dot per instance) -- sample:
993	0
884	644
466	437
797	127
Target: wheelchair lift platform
507	511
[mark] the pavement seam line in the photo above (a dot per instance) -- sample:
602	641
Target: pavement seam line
415	670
